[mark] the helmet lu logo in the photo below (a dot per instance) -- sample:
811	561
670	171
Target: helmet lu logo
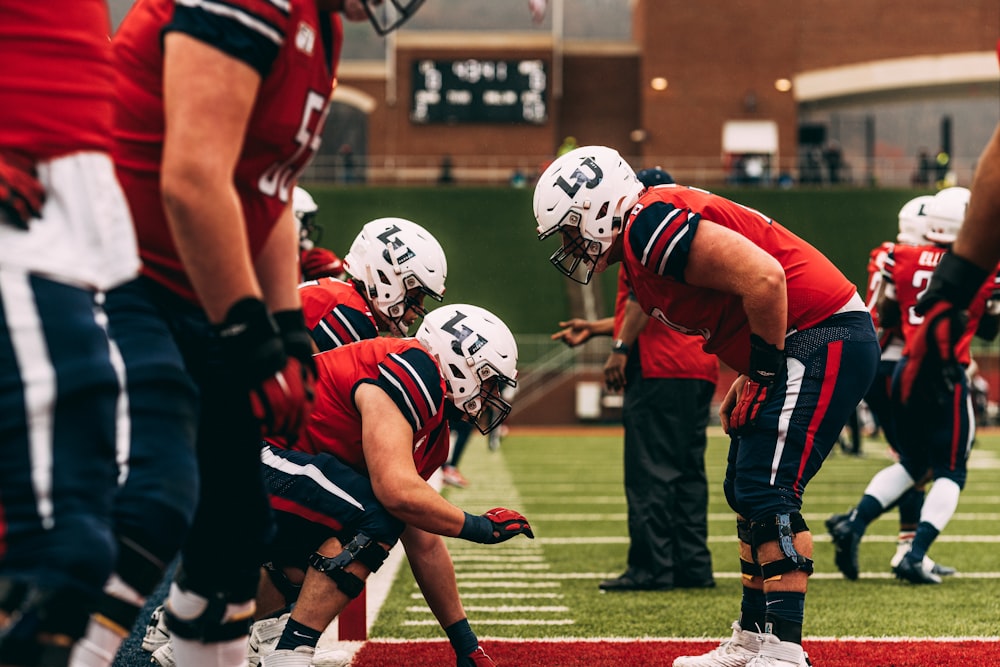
579	178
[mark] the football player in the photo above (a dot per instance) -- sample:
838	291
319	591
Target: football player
355	482
217	112
935	438
393	265
74	401
912	221
770	306
314	262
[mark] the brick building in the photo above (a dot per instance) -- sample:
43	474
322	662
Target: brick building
731	89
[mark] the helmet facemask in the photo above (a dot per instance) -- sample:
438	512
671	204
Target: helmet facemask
488	409
388	15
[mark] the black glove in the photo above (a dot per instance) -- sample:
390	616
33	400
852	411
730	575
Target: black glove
766	364
498	525
932	370
280	384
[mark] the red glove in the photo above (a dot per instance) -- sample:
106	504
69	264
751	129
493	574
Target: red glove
477	658
498	525
320	263
766	364
280	385
21	195
752	397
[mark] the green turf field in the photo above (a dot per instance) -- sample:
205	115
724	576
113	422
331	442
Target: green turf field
570	488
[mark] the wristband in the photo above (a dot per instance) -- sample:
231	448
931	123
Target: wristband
298	342
620	347
766	360
957	280
477	529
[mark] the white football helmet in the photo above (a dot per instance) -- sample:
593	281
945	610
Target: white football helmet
478	358
913	220
945	214
391	257
588	190
304	207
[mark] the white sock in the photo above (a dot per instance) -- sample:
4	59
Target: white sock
940	503
889	484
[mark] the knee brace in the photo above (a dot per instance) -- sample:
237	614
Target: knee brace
35	613
362	549
781	529
747	569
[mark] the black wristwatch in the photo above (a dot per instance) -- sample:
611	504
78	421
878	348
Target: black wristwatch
619	347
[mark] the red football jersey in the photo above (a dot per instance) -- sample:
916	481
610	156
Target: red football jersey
293	47
876	268
406	372
336	313
909	268
665	353
658	237
47	110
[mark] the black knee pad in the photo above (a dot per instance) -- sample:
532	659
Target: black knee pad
35	612
781	529
362	549
211	625
289	591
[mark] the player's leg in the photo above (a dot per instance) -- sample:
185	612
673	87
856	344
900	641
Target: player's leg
156	500
211	601
331	527
57	423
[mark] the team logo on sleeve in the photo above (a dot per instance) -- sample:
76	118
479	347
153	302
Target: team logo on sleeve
305	38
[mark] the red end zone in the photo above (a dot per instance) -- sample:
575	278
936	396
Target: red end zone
653	653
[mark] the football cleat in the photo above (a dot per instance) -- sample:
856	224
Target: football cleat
846	542
264	636
917	572
164	656
737	651
156	631
301	656
776	653
452	477
903	548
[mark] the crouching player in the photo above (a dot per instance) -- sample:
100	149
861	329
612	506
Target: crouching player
355	482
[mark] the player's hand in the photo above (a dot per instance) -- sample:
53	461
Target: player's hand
498	525
280	384
932	371
614	371
752	396
574	332
477	658
766	364
21	195
537	9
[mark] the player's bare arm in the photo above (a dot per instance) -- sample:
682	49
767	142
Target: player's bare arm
979	239
387	441
755	276
277	266
434	572
206	119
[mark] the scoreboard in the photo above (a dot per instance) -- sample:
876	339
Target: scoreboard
479	91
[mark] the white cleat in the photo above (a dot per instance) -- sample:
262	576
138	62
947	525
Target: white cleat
264	636
737	651
776	653
156	631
